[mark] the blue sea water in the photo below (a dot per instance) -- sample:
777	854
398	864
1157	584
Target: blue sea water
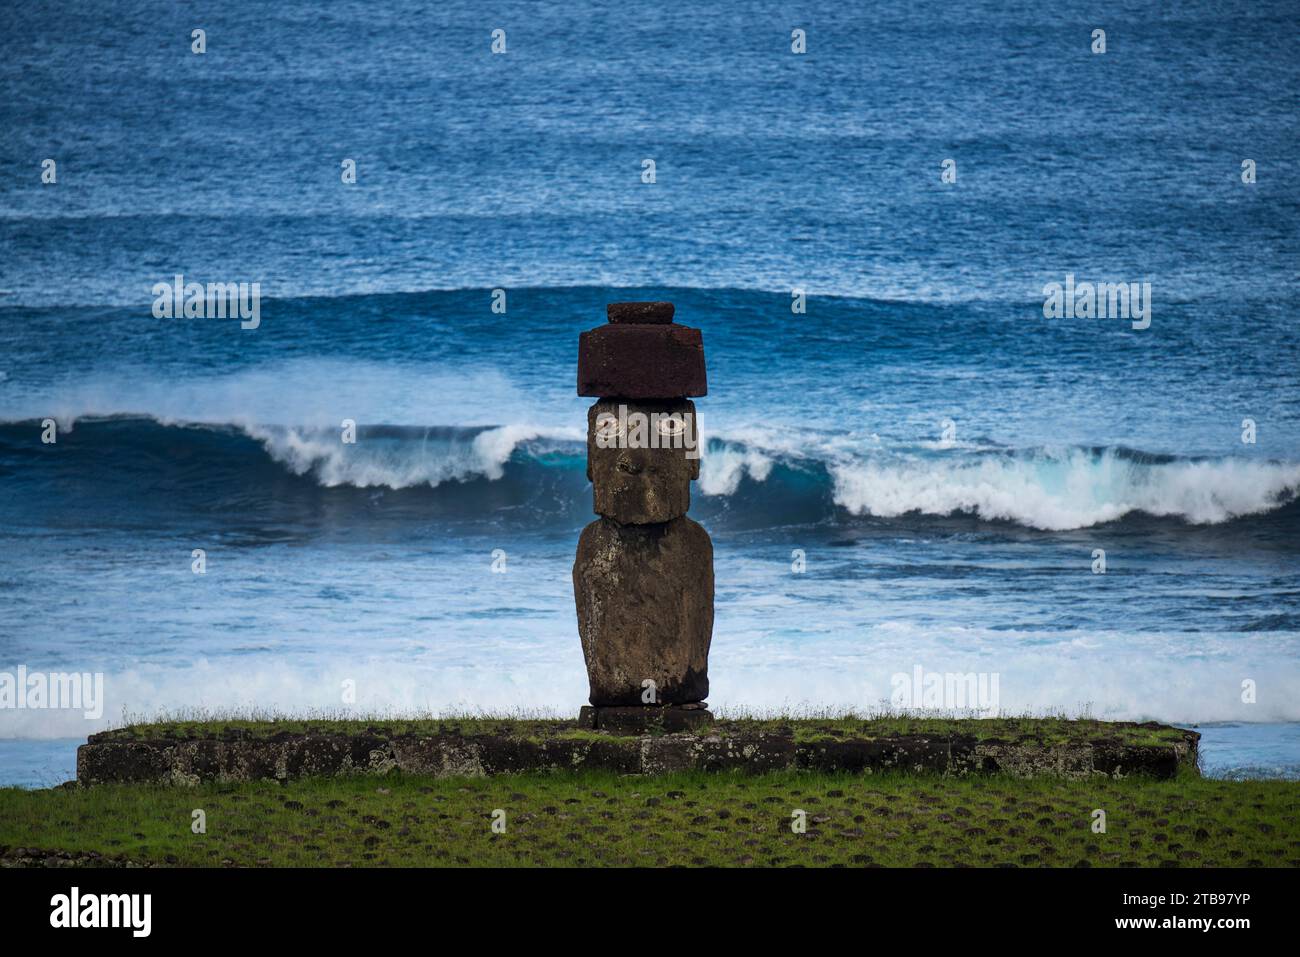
945	458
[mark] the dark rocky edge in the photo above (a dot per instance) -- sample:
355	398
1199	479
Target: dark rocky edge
116	756
19	857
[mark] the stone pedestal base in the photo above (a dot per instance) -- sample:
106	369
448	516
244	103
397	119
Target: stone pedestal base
643	719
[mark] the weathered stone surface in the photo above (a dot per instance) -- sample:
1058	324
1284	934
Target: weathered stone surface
114	761
301	755
904	753
645	610
751	753
643	719
1119	761
108	757
641	361
632	483
747	753
651	313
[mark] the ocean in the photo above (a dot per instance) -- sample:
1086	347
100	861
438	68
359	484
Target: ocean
908	462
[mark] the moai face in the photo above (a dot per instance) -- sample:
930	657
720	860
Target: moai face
641	459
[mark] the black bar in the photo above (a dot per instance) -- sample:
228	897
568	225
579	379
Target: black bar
380	907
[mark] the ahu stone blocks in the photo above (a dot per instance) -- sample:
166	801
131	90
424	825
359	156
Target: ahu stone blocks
643	577
202	754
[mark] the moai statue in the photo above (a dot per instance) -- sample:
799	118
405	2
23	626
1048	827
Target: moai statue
643	577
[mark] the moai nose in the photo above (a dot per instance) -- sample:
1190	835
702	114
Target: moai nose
627	465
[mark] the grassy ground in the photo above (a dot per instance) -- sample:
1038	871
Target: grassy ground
692	820
1046	731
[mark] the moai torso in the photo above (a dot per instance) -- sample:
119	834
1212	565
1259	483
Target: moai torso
643	578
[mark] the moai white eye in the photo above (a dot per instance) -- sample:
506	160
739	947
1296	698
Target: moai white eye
607	426
672	426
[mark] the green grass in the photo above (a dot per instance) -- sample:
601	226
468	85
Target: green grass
694	819
1046	731
805	727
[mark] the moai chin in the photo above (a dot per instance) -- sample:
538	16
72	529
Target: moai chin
643	577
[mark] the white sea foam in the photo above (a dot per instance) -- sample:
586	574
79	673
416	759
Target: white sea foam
309	393
1114	676
723	465
1072	488
400	463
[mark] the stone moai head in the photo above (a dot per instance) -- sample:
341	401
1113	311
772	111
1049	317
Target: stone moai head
643	446
641	459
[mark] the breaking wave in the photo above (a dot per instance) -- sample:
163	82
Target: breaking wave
1068	488
1039	488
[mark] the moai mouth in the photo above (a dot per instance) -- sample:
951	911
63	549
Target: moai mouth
643	577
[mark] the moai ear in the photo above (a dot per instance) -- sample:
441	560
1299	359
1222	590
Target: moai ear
696	446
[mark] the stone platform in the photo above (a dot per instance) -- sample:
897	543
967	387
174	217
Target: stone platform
644	720
194	755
